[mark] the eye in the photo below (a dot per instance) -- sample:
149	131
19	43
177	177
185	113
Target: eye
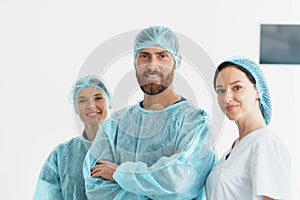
163	56
220	91
142	56
237	87
81	100
98	98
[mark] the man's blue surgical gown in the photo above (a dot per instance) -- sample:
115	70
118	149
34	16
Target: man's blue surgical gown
162	154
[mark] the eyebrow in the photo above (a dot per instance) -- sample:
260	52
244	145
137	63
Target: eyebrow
161	52
98	94
232	83
235	82
157	53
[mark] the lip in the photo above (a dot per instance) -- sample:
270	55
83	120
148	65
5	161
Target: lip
231	107
92	114
152	77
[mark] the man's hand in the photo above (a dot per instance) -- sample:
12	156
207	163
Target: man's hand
104	169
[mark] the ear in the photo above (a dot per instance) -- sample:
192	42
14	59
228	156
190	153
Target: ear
178	60
257	95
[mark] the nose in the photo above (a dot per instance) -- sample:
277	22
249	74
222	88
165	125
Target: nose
152	63
91	104
228	96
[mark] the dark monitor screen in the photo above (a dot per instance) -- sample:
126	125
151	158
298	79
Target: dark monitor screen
279	44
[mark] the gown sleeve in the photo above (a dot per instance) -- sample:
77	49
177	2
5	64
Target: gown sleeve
99	188
180	176
49	185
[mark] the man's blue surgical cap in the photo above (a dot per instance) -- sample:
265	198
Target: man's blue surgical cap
157	36
261	85
89	81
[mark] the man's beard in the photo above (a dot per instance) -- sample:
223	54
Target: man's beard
153	88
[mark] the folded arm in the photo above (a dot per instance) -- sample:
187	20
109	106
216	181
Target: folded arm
180	176
98	173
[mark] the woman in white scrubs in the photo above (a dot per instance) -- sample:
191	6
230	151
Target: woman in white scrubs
257	166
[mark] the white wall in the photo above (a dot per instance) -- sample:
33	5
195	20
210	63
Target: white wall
44	43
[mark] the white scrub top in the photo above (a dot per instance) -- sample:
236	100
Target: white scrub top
259	165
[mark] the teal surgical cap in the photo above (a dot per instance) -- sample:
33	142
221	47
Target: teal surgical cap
261	85
88	81
157	36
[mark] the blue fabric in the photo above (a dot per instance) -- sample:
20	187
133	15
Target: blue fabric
261	85
61	176
157	36
162	154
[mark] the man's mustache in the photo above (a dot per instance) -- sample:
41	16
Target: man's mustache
152	73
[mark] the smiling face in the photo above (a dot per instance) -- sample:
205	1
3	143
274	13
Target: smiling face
237	96
154	69
92	106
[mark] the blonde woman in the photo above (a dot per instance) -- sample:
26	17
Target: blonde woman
61	177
